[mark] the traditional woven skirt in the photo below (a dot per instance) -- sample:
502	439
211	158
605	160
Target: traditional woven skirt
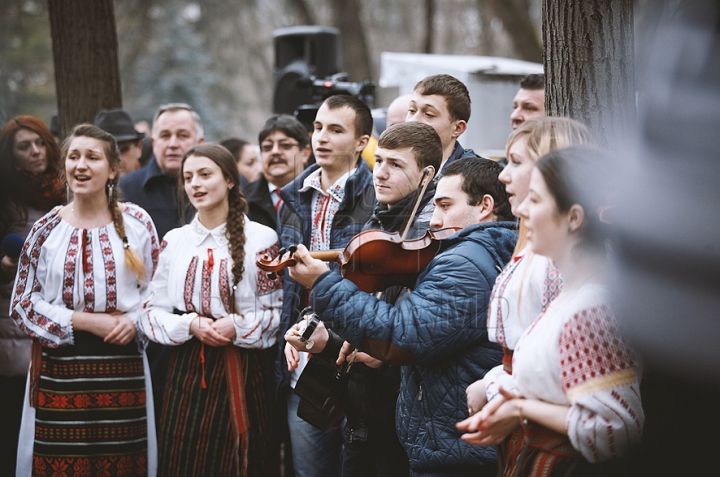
196	434
91	416
536	451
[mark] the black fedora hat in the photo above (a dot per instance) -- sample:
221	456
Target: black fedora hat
118	123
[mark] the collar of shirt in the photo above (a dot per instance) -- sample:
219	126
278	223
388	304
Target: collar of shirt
336	190
152	170
200	233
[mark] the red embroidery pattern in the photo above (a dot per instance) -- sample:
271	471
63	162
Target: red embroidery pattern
163	244
225	292
89	285
206	285
110	271
553	284
100	466
264	284
499	289
190	284
69	271
139	214
89	400
29	258
109	368
592	347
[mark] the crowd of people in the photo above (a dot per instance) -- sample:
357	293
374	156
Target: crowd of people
140	335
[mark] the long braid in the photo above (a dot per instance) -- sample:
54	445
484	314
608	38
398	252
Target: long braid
132	261
235	230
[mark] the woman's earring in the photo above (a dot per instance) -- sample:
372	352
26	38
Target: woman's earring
110	190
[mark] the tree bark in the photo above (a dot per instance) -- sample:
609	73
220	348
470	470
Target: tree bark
303	14
85	55
429	26
356	59
589	73
517	22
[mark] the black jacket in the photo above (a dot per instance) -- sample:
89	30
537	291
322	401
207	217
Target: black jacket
260	204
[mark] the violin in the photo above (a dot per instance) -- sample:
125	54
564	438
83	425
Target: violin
373	260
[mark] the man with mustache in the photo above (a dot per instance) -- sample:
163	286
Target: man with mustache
284	152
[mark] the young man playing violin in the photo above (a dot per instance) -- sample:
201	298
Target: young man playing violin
324	207
406	159
437	333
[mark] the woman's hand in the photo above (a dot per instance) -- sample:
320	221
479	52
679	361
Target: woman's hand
113	328
476	396
202	328
123	332
225	327
308	269
495	421
319	337
360	357
292	356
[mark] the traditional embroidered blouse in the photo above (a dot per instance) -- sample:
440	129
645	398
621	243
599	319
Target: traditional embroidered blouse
573	354
63	269
194	277
521	292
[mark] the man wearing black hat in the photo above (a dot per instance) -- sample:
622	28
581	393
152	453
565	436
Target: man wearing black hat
119	123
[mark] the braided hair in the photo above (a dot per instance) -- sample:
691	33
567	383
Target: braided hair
237	205
112	154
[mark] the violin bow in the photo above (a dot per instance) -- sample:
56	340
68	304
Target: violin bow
420	191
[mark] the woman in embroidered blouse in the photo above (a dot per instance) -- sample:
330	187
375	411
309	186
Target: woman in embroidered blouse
210	301
529	282
81	279
576	397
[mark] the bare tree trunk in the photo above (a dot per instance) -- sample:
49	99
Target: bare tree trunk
429	26
517	22
85	53
303	15
356	58
589	65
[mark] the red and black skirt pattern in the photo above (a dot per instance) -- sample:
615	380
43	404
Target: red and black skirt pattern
195	436
91	416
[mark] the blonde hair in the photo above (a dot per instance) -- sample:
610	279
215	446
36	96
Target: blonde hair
545	135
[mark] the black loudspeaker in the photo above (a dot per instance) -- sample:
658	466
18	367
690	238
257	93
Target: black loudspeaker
303	52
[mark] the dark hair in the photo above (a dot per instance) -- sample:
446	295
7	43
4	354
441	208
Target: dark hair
235	146
15	186
237	205
287	125
422	139
581	175
480	177
363	116
112	154
533	81
452	89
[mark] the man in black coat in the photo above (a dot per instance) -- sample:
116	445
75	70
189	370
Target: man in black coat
284	151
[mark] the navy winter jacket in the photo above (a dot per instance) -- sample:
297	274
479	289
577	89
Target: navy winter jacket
295	226
438	333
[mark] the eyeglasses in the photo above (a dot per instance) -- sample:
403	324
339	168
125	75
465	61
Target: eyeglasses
285	146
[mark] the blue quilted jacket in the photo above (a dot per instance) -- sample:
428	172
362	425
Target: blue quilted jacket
295	226
439	335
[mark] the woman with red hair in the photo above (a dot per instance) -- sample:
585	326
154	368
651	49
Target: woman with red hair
30	186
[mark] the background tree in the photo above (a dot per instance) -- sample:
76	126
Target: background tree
589	54
85	46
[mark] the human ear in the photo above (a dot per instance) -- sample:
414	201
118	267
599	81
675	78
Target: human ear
459	127
431	174
575	217
486	209
362	142
305	152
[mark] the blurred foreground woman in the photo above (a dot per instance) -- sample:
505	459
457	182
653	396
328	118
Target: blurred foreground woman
574	398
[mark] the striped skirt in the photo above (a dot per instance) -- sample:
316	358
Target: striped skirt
195	436
91	417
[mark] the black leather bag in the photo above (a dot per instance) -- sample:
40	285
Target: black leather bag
320	388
